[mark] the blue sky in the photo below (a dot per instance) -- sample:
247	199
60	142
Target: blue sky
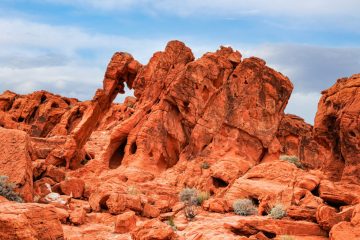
63	46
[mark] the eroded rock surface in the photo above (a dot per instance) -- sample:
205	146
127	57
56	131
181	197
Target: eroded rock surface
216	124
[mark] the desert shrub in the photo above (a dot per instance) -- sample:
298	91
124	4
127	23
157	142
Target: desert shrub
286	237
7	190
202	196
292	159
244	207
190	211
278	212
205	165
188	195
171	223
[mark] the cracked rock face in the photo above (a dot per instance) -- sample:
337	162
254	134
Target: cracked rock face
337	126
218	107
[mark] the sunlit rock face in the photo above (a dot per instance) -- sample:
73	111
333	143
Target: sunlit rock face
101	170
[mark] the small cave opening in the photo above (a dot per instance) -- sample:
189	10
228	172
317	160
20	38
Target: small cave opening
316	192
269	235
88	157
176	108
43	99
186	104
133	148
54	105
219	183
102	203
21	119
255	201
32	117
352	134
118	155
240	232
335	204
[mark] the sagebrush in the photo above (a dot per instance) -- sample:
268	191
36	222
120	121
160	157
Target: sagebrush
244	207
278	211
7	190
190	198
188	195
292	159
202	196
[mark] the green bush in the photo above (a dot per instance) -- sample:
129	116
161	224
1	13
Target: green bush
205	165
7	190
292	159
171	223
278	212
188	195
244	207
202	196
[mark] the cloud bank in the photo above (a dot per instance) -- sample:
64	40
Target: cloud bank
71	61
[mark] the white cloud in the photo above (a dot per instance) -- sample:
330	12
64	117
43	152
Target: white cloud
304	105
37	56
310	67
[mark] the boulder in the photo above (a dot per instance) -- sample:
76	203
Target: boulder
77	216
15	161
328	216
125	222
73	187
344	231
150	211
218	205
29	221
153	229
339	193
252	225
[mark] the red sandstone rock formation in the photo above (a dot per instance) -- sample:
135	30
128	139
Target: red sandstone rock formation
29	221
337	126
114	171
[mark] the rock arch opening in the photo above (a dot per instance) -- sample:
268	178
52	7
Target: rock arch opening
118	155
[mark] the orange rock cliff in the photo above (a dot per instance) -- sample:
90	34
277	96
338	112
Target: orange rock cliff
213	128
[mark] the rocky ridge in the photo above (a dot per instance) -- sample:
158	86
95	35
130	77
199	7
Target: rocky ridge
100	170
